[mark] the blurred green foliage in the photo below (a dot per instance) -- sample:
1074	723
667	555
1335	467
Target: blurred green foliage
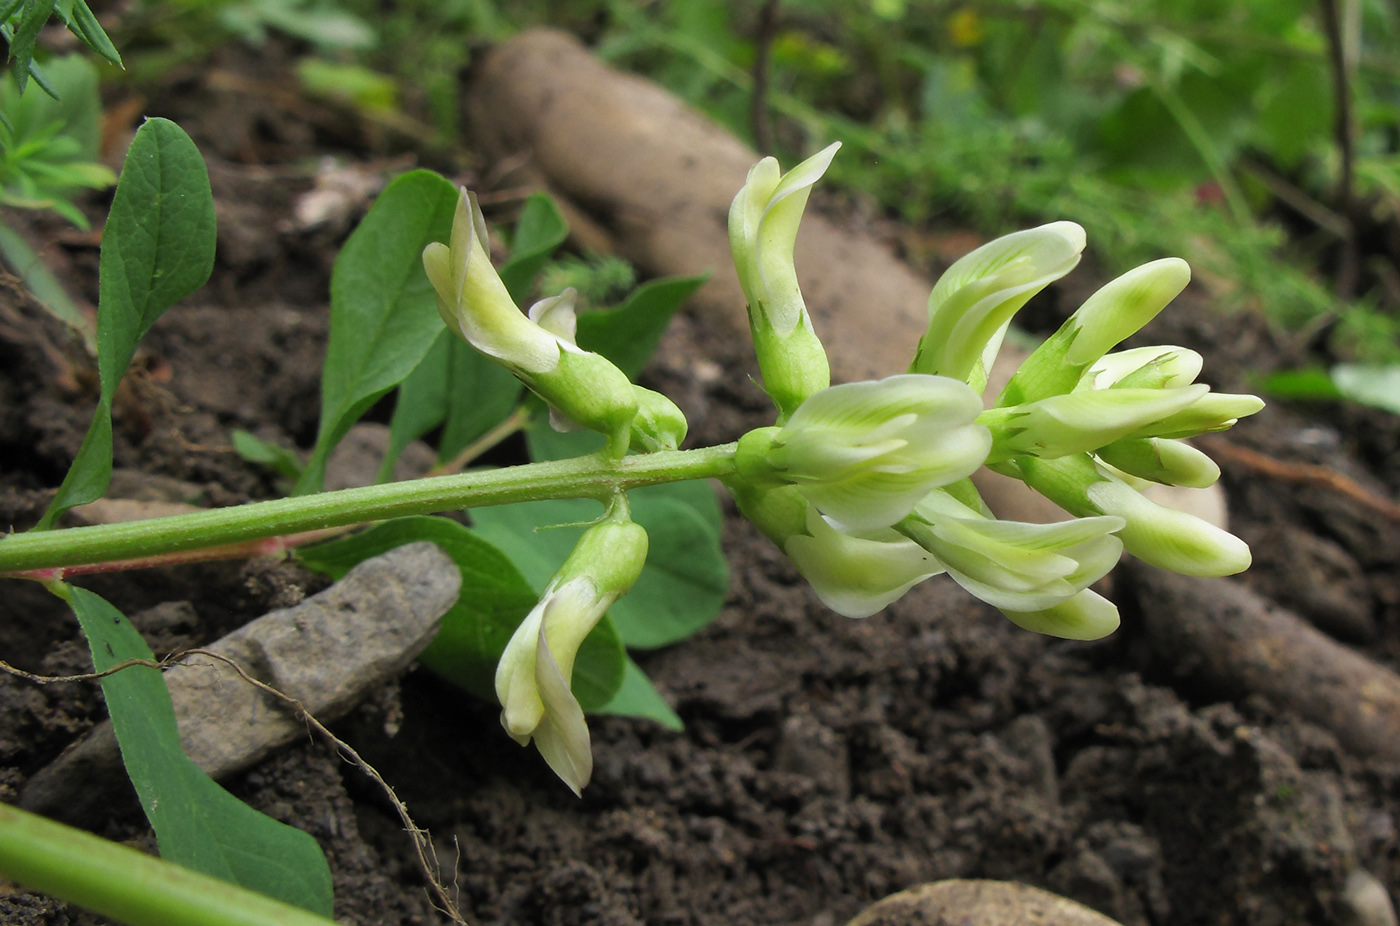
1193	128
1184	127
48	145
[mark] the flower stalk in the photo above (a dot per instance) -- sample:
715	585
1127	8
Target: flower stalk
596	476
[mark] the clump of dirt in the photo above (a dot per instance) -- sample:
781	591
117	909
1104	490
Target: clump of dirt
825	762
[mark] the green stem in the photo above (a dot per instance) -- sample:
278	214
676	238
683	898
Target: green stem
595	476
126	885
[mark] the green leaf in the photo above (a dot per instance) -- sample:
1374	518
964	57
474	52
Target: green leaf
421	404
538	234
157	248
457	387
480	393
383	312
1369	384
494	599
628	335
545	443
685	580
281	460
197	823
1299	384
82	23
638	697
32	17
600	667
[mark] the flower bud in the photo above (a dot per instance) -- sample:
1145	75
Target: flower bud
1156	534
763	221
583	389
1169	462
1013	565
1083	420
1214	412
1158	367
1109	316
659	424
1086	616
865	453
973	301
535	670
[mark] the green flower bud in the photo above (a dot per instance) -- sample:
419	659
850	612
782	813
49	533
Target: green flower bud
763	221
1106	318
1158	535
1214	412
659	424
973	302
1159	367
534	673
1083	420
1086	616
865	453
1169	462
583	389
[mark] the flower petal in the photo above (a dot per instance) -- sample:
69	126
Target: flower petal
858	575
1086	616
562	738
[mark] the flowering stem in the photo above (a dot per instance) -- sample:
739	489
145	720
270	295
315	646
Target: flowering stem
595	476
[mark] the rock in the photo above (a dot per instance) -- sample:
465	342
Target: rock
1365	902
329	652
809	748
1216	637
985	903
355	460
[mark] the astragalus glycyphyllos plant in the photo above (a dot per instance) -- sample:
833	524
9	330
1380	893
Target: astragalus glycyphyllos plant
864	486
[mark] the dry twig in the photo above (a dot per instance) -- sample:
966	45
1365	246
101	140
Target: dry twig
1301	474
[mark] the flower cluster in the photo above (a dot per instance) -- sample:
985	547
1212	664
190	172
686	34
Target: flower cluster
864	485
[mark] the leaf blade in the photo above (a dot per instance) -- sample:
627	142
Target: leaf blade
197	823
158	247
383	314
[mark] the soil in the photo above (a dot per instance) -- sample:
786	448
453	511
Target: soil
825	762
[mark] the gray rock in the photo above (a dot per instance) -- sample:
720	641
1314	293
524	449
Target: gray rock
329	652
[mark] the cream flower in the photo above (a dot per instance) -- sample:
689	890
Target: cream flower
536	668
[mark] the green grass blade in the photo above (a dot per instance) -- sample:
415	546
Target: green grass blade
82	23
32	17
197	823
383	315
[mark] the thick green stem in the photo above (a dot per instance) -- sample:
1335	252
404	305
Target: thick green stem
595	476
126	885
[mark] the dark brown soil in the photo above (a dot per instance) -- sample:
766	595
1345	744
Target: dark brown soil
825	762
